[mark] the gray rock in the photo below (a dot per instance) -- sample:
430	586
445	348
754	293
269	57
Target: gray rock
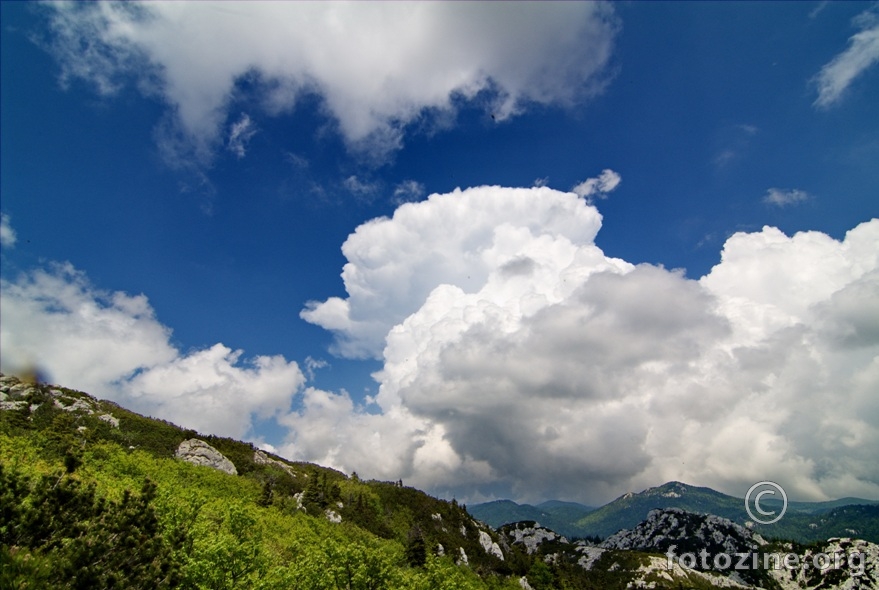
199	452
490	546
110	419
12	405
76	405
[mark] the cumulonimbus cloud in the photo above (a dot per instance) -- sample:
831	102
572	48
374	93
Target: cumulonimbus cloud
525	362
376	66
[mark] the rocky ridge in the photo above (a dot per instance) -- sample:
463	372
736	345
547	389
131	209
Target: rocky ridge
18	395
643	553
687	532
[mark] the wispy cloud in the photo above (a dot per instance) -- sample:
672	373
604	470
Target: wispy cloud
361	189
599	186
7	234
733	142
240	134
819	7
312	365
863	52
783	197
408	191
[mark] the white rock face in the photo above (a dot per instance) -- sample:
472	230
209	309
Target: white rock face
110	419
333	517
463	558
673	525
13	405
80	405
851	563
199	452
533	536
490	546
590	556
658	567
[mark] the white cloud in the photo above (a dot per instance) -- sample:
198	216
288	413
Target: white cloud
541	181
240	133
361	189
112	345
818	8
213	391
7	234
408	191
377	66
604	183
862	53
311	365
454	239
519	358
782	197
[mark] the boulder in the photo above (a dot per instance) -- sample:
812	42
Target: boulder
199	452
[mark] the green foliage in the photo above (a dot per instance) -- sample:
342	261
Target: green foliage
89	542
416	551
194	527
540	576
226	549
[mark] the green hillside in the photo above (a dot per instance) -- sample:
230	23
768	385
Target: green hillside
89	504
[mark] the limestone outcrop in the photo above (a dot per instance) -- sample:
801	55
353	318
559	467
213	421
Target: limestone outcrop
199	452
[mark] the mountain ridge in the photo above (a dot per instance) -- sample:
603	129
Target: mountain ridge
801	523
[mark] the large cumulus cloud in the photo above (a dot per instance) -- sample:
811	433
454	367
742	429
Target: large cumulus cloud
525	361
110	344
376	66
459	240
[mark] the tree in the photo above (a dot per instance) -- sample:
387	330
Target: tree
416	551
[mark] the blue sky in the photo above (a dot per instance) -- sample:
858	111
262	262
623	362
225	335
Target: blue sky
178	181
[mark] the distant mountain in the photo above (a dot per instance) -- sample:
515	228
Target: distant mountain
629	509
804	521
554	514
857	520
